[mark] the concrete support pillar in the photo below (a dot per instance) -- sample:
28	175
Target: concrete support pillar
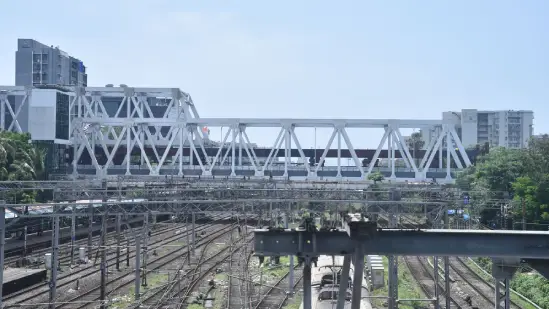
307	286
357	276
503	271
343	284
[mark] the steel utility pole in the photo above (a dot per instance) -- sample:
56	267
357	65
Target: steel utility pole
90	231
523	214
145	243
118	240
137	266
73	233
54	255
103	262
2	243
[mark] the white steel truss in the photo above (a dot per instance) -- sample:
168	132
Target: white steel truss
175	142
13	100
236	144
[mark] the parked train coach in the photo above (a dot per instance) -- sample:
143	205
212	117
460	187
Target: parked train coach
325	290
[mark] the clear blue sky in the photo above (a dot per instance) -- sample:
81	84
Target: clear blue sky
325	59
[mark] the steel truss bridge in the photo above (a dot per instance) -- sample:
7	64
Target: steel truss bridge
109	126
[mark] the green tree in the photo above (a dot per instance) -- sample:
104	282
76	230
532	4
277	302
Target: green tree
20	160
489	181
520	174
376	177
415	143
534	196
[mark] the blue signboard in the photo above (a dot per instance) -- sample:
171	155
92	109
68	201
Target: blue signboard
81	67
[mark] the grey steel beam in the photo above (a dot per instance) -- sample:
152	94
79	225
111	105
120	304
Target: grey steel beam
532	245
165	208
344	281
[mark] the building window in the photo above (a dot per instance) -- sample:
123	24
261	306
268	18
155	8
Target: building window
62	116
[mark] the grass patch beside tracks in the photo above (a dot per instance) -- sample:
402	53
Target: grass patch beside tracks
407	288
154	280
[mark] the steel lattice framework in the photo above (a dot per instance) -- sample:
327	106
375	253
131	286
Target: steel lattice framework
175	143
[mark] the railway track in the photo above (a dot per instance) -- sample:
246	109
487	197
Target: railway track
276	295
63	281
40	244
122	282
482	292
188	278
424	277
65	249
239	289
31	294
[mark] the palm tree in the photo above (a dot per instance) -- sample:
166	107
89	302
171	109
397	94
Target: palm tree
19	160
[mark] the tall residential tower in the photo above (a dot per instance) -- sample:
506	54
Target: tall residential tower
39	64
503	128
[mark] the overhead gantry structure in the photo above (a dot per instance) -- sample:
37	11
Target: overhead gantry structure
360	237
158	131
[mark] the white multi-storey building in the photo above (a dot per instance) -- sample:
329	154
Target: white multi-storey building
505	128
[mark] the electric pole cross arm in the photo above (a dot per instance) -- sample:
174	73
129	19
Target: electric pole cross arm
299	242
